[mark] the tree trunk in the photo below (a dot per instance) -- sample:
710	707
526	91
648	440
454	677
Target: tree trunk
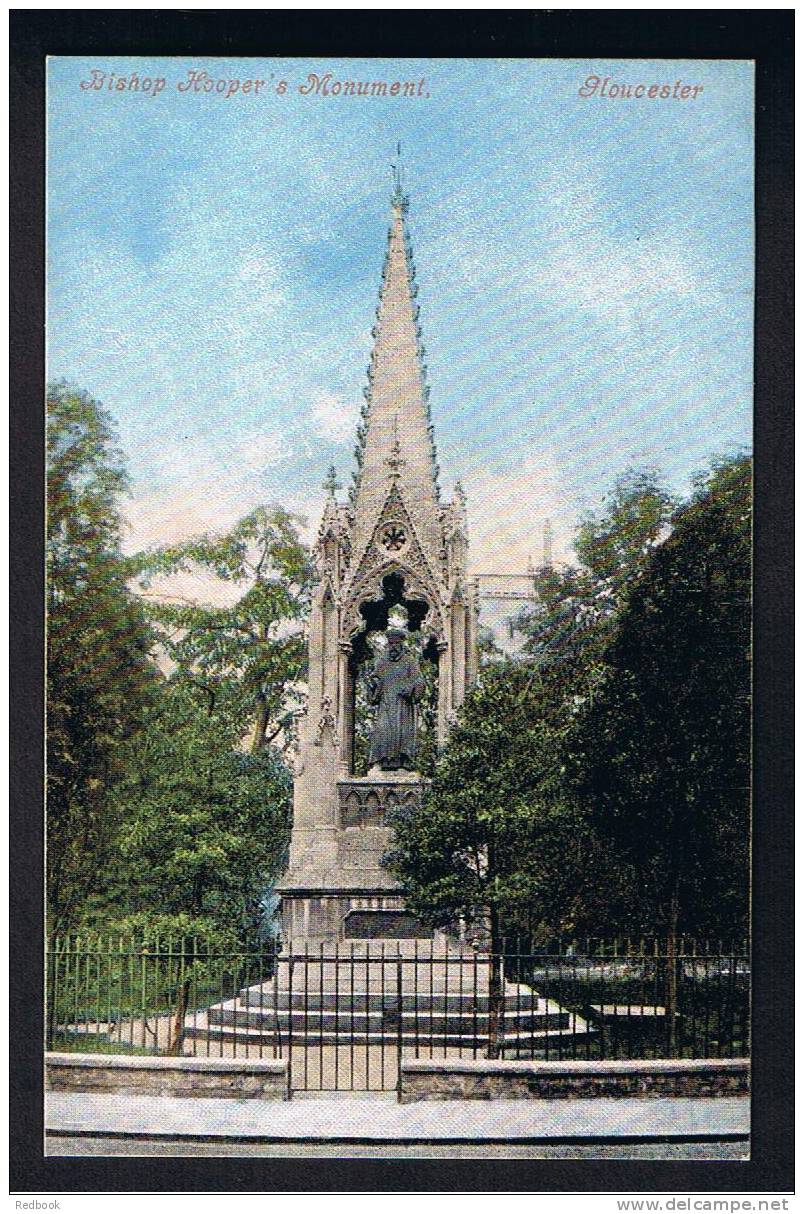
671	996
496	986
176	1040
260	726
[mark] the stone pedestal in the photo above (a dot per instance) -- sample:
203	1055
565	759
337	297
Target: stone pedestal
336	888
395	546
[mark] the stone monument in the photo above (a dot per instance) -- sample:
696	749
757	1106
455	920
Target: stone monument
392	596
391	565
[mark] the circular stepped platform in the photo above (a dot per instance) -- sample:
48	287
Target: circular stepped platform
391	991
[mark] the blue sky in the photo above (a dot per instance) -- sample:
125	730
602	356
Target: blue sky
584	268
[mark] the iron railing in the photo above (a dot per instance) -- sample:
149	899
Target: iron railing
143	998
345	1015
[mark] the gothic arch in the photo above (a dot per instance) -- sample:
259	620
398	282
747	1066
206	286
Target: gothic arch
370	589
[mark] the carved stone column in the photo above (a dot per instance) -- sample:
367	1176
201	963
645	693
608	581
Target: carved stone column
346	712
471	634
444	692
458	652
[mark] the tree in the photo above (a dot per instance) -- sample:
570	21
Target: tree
487	648
577	605
206	823
662	754
251	652
99	674
495	837
204	832
616	544
502	835
499	833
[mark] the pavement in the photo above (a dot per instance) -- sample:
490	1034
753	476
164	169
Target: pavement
223	1148
353	1121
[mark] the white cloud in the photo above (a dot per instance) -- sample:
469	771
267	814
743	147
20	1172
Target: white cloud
204	490
200	587
263	449
334	418
191	508
618	279
187	508
508	511
580	261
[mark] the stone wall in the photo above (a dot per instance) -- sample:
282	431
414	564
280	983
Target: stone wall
485	1079
127	1074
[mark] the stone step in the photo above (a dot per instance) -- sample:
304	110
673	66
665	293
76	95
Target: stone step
266	999
521	1041
442	971
389	948
346	996
357	1021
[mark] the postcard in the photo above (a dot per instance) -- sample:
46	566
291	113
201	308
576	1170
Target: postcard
399	606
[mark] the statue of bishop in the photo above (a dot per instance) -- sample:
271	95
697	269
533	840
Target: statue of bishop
395	686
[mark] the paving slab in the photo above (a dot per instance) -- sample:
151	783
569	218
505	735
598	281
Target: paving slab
356	1120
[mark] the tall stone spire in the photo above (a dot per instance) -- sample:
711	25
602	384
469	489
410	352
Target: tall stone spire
395	440
394	552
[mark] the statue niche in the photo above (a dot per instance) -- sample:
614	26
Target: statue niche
395	687
394	674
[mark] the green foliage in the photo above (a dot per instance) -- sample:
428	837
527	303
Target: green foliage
662	755
487	648
577	606
251	653
133	984
99	674
205	824
615	545
85	479
601	784
154	809
495	836
567	626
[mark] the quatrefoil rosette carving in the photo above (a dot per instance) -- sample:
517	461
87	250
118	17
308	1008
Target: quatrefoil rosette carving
393	537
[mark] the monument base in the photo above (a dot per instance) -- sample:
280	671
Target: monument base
402	775
336	888
312	918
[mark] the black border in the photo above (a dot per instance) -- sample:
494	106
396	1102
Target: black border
767	37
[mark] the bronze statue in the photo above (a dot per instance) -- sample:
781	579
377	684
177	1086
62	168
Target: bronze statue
395	686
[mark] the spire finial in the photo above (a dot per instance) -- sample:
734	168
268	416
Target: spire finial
547	544
332	484
399	197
